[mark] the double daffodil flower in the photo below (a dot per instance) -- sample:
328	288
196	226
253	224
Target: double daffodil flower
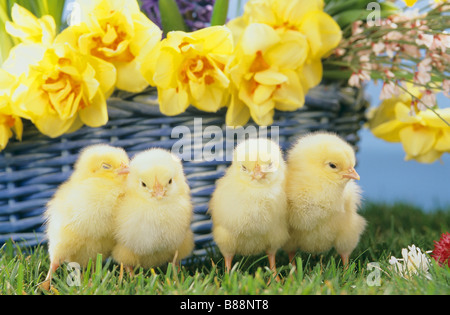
425	136
188	69
263	75
278	57
115	31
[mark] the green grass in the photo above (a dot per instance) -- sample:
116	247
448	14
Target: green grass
390	228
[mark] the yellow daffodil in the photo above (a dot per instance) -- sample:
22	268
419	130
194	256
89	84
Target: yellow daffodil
65	90
189	69
9	121
306	16
425	136
410	3
263	73
30	29
115	31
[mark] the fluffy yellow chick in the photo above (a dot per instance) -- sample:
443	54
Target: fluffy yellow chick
249	206
322	196
152	222
80	215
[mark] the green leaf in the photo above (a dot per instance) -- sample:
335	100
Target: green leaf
347	17
220	12
171	18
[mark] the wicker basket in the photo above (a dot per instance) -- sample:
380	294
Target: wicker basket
31	170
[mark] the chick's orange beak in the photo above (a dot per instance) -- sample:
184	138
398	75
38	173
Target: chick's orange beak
158	190
257	173
123	169
352	174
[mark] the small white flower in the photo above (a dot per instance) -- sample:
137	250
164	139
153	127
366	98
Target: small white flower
413	262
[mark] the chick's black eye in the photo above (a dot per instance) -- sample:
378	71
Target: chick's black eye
332	165
143	184
170	181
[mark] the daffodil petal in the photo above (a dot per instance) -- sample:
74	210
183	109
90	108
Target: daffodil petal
388	131
290	96
417	140
52	126
429	157
432	119
95	114
443	142
238	113
270	77
5	134
311	74
262	93
322	32
173	101
264	119
211	100
258	37
129	77
402	113
105	74
290	54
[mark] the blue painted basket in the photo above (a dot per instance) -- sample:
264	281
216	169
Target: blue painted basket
31	170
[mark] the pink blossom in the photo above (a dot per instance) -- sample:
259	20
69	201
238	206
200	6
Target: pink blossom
389	74
364	75
357	78
412	111
425	39
445	40
339	52
356	27
378	48
354	80
429	98
422	77
446	87
391	49
394	36
439	43
411	50
424	65
389	90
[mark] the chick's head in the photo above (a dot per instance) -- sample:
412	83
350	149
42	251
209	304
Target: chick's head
156	174
326	156
258	161
102	161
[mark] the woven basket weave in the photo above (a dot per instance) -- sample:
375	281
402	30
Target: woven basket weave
31	170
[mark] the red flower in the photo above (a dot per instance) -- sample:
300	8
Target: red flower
441	252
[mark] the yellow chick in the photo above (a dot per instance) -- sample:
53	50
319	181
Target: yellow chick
249	206
152	222
323	198
79	217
